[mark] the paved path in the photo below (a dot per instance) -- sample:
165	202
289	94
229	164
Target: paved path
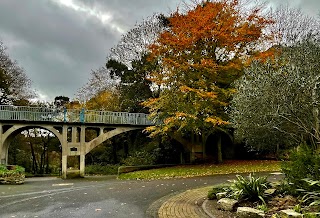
185	205
93	197
97	197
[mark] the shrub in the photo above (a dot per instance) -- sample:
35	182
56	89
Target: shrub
303	162
251	188
3	168
102	169
16	170
217	189
139	158
285	188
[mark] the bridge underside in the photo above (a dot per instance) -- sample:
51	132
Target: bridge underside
71	136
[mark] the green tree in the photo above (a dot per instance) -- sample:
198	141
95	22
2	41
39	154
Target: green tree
61	101
277	102
14	83
134	86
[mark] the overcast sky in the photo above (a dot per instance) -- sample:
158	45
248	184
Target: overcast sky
58	42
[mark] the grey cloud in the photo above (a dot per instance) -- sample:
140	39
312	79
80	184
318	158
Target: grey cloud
59	46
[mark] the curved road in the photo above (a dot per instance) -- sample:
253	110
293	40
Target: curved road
92	197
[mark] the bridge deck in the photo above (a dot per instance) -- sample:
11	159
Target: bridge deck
46	114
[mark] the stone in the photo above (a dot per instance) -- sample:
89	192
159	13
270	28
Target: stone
227	204
12	179
249	212
221	195
270	191
290	214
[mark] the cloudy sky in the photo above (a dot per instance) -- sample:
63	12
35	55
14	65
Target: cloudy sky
58	42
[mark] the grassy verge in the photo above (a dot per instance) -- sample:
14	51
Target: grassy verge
204	170
101	170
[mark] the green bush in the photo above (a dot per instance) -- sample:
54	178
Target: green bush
212	194
19	169
140	158
285	188
102	169
303	162
3	168
16	169
251	188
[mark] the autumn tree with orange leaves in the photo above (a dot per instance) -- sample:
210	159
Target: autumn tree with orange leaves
202	51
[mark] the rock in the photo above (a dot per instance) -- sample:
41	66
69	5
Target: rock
227	204
275	184
289	214
221	195
270	191
249	212
12	179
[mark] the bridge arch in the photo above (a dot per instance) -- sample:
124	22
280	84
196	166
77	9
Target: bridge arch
105	136
9	134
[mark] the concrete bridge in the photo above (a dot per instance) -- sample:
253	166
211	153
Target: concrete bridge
69	126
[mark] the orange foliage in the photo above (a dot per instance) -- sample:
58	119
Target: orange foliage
202	52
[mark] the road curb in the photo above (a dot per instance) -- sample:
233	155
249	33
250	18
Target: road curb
204	208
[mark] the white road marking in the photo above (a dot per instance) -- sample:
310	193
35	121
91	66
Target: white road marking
62	184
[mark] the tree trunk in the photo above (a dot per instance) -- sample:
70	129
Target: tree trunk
186	144
315	112
219	150
42	161
204	142
47	162
114	153
34	160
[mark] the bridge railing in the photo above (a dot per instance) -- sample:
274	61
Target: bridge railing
25	113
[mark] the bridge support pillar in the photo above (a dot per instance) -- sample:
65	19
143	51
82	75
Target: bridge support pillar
82	150
2	154
64	146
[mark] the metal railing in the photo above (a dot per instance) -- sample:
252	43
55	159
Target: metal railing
25	113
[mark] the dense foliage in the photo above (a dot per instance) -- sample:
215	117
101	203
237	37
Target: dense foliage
277	101
200	54
16	169
303	163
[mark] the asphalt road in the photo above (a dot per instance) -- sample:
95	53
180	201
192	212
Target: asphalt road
92	197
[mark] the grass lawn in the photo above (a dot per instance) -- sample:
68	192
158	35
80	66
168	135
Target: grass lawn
185	171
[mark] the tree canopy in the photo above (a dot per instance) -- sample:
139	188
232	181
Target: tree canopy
14	83
201	53
277	102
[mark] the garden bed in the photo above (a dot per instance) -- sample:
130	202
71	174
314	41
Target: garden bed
266	199
12	174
